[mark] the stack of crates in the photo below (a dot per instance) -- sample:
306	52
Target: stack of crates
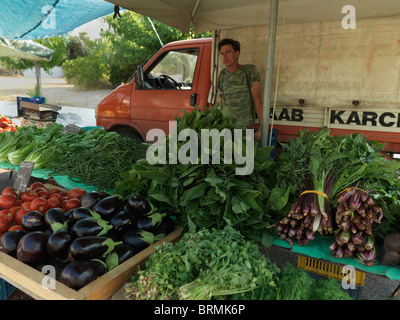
6	289
38	100
321	269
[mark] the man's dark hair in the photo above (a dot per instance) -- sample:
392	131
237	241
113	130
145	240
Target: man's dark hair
235	44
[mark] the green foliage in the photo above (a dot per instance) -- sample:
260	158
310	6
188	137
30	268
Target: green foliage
128	42
92	70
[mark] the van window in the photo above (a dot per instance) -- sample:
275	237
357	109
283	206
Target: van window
175	70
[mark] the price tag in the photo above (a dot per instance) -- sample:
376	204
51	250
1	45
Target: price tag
23	175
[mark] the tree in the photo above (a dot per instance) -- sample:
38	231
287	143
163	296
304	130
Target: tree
134	39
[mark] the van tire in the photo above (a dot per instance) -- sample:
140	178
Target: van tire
130	134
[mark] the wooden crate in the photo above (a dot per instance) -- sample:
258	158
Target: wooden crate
29	279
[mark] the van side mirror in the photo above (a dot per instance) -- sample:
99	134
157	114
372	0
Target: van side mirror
139	78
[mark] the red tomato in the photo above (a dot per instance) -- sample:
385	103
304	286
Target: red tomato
29	196
39	204
54	191
76	193
4	224
42	193
72	204
9	190
56	195
36	185
25	205
15	209
8	214
16	227
7	129
19	215
63	194
54	202
13	129
8	200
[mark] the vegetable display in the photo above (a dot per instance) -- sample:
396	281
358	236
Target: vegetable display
354	217
320	172
6	124
82	243
223	265
96	157
206	195
203	265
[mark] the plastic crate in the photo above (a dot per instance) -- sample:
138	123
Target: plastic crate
6	289
328	270
321	269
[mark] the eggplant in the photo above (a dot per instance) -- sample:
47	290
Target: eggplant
79	213
78	274
9	242
33	221
109	207
166	226
139	240
58	244
89	199
91	227
150	222
90	247
122	222
137	205
32	248
55	219
121	253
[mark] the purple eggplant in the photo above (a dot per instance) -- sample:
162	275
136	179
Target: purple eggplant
122	222
90	247
58	244
89	199
137	205
78	274
55	219
32	248
90	227
166	226
9	241
79	213
149	222
121	253
33	221
139	240
109	207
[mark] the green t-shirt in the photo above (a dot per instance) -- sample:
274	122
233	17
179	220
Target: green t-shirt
235	90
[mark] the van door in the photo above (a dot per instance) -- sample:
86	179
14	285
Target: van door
170	87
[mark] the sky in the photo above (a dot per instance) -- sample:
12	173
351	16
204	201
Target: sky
92	28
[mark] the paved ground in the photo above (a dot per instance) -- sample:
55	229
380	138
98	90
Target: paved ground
55	90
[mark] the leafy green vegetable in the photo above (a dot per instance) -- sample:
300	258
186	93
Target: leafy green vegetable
208	195
203	265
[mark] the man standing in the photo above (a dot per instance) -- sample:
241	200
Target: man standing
239	86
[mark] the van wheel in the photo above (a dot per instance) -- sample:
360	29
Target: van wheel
131	135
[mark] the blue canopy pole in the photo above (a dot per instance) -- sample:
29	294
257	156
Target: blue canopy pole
269	71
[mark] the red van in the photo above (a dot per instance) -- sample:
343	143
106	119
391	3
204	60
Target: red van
176	79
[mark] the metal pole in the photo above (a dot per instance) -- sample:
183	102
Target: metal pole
38	78
269	71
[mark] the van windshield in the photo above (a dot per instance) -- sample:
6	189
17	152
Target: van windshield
175	70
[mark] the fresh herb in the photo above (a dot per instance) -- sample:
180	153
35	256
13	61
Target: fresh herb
208	264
